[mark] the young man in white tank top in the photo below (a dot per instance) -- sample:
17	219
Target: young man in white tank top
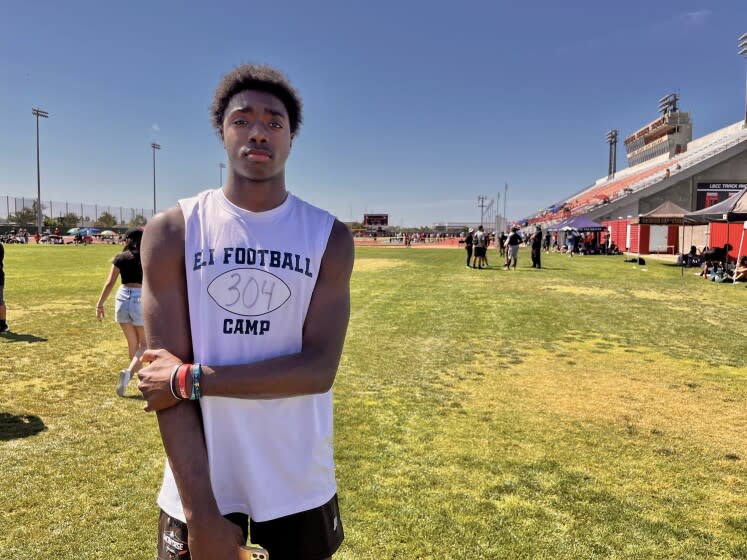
248	286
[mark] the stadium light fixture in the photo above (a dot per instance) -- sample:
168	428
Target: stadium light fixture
155	147
668	103
742	46
43	114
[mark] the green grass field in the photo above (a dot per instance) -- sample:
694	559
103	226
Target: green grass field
593	409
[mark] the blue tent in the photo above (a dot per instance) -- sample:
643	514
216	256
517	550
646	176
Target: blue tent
579	223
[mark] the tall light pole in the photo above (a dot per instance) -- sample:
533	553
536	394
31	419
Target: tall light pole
155	147
481	205
612	141
38	113
221	167
505	197
743	52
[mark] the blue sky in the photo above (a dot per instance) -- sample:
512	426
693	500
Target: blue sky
412	108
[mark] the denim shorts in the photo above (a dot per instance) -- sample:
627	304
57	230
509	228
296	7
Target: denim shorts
127	306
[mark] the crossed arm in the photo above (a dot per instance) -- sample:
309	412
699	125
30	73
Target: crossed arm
166	315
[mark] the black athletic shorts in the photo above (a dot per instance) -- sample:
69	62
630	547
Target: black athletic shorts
309	535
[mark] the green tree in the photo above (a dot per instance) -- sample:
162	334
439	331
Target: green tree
138	221
24	217
34	209
106	220
69	220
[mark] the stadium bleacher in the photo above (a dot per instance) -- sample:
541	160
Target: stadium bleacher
634	179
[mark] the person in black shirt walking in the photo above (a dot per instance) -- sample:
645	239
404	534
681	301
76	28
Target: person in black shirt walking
127	308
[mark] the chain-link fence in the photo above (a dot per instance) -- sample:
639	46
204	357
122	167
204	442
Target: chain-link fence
21	211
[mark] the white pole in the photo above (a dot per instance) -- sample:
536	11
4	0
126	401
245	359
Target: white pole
739	254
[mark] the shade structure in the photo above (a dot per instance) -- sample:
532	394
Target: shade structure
733	209
667	214
579	223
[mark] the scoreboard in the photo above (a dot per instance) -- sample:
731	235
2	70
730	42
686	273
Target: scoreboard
375	220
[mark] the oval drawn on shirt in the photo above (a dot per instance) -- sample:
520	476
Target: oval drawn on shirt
249	291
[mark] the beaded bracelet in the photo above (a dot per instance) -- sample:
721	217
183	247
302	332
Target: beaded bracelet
171	382
196	374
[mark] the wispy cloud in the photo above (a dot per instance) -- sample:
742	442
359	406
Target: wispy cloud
697	18
155	127
681	22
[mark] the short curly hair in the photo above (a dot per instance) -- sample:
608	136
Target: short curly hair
258	77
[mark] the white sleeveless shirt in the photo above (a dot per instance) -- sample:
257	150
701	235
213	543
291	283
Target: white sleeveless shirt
250	276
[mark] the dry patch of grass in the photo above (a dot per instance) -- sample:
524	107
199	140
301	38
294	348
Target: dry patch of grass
632	389
377	265
582	291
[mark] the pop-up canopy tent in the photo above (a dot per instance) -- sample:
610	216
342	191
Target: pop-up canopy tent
733	209
579	223
667	214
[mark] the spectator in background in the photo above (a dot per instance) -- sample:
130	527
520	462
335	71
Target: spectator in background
536	242
512	249
740	274
480	247
715	260
570	240
127	308
3	324
502	244
468	245
546	242
691	258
